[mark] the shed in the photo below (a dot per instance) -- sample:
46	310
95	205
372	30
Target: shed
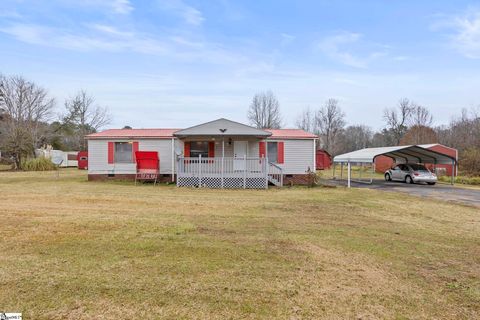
323	159
399	154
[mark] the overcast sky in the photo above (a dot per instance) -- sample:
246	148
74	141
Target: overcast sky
176	63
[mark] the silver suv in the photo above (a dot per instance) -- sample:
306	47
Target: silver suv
411	173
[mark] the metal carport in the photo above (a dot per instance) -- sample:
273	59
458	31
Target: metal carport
400	154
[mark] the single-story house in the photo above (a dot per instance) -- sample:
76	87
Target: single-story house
217	154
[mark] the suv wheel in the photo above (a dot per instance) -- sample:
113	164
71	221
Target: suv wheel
387	177
408	179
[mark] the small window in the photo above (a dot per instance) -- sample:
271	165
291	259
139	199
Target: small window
272	152
123	152
198	148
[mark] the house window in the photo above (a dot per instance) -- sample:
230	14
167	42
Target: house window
272	152
123	152
198	148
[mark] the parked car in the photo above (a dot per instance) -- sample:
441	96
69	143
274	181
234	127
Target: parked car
411	173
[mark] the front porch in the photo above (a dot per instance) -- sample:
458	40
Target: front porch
227	172
226	154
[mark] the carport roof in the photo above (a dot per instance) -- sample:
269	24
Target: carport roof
400	154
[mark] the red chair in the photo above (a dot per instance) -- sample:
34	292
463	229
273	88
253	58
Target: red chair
148	166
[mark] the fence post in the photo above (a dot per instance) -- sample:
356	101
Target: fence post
349	174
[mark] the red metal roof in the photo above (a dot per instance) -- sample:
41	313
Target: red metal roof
168	133
290	134
133	133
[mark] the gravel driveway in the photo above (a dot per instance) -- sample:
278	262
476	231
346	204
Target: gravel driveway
469	196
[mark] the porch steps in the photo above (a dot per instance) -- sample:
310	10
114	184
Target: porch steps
275	174
274	181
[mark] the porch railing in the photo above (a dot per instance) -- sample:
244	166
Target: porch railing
275	174
226	172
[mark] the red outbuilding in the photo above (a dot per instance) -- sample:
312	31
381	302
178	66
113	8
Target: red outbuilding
82	158
383	163
323	159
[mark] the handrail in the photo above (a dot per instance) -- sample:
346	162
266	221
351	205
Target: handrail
275	176
275	165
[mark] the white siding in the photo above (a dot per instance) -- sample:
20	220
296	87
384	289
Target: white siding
298	156
98	156
164	149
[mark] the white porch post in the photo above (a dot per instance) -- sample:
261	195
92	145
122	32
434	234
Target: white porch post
199	170
244	171
453	172
266	149
223	161
265	164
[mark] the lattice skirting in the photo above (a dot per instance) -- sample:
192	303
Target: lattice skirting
228	182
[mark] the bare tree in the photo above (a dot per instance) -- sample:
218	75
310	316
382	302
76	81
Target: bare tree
420	117
264	111
418	134
330	121
397	119
306	121
355	137
26	108
84	116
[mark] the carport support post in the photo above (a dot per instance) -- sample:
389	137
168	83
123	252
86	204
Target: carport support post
348	173
453	172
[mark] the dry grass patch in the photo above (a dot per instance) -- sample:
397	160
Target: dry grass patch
74	249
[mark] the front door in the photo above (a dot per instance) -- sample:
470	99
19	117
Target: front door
239	153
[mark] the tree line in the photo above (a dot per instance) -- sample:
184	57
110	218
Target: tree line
407	123
28	120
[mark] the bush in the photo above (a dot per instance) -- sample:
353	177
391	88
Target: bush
38	164
462	180
470	161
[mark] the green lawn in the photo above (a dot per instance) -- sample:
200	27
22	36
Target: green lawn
73	249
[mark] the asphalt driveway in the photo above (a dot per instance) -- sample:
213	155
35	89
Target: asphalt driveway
469	196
